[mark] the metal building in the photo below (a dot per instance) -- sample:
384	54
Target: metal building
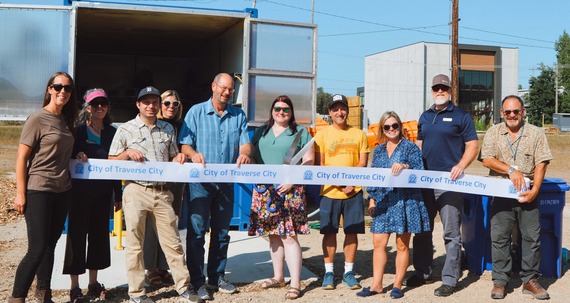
400	79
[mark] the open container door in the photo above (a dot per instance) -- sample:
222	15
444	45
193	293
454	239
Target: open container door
35	42
281	61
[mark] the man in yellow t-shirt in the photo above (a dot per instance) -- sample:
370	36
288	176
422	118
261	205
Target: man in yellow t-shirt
341	145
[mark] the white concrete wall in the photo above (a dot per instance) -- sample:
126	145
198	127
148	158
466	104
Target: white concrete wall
400	80
394	81
510	72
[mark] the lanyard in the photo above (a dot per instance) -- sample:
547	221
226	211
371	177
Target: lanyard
518	139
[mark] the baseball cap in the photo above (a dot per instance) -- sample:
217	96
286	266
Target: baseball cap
338	99
96	94
441	79
149	90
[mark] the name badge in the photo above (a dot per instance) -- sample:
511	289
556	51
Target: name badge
447	119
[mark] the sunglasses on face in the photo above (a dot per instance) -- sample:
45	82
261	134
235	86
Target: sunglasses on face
96	104
394	126
175	104
508	112
58	87
440	87
284	109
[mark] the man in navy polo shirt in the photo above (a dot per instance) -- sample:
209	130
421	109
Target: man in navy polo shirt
448	140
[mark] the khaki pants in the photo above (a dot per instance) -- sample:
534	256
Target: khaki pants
140	202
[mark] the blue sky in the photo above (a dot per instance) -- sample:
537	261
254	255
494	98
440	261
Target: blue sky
349	30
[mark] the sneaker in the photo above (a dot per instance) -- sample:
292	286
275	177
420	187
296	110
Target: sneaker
226	287
444	290
416	281
396	293
328	281
349	280
96	291
366	292
141	299
75	295
533	288
190	296
204	294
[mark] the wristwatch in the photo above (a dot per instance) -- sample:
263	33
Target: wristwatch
511	170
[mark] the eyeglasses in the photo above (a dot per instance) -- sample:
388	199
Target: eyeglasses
440	87
175	104
224	88
58	87
508	112
394	126
284	109
99	103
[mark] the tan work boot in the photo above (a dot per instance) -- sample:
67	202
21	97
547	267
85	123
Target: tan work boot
533	288
16	300
498	291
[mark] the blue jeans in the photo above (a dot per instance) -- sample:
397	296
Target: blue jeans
210	207
45	218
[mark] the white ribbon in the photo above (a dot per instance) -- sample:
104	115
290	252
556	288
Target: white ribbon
290	174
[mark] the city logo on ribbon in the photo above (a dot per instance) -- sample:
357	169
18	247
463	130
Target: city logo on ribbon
308	175
412	179
79	169
194	173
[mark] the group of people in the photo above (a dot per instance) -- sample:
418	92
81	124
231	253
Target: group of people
215	131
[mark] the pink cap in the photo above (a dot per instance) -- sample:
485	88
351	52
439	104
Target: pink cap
95	94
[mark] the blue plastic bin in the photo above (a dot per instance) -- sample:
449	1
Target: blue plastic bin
242	206
476	229
552	200
476	233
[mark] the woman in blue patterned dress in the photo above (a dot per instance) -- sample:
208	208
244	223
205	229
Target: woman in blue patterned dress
394	210
272	142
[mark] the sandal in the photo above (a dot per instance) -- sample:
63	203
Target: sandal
293	293
153	279
166	277
272	283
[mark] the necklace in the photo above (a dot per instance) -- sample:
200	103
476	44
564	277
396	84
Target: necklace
97	130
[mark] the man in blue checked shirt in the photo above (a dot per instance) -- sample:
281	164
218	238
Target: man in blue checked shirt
213	131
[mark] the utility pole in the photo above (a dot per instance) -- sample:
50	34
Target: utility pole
556	90
455	52
312	11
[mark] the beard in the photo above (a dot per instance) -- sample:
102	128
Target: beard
440	100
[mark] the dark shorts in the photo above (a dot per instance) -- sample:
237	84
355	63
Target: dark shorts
351	209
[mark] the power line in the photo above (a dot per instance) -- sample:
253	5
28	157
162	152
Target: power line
415	29
508	35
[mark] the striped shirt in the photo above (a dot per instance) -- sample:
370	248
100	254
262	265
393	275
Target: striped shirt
217	138
156	144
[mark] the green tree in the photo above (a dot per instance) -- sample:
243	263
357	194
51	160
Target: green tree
562	47
323	101
540	99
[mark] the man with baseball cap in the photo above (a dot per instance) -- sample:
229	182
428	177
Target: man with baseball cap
448	140
341	145
145	138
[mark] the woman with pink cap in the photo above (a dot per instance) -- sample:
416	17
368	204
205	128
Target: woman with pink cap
89	211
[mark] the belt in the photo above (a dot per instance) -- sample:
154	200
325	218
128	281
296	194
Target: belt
158	187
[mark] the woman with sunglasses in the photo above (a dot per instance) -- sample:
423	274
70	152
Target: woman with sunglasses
272	143
43	184
394	210
157	274
89	212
